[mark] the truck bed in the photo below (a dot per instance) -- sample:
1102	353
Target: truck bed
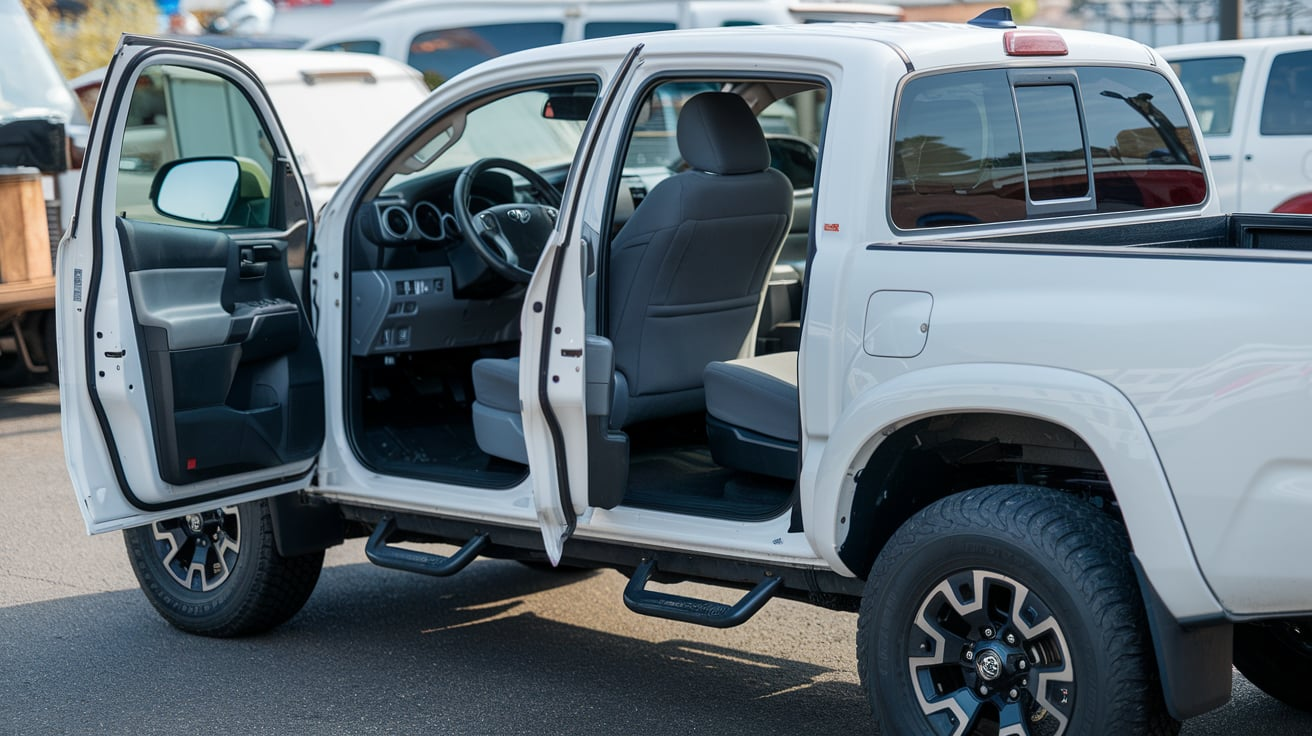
1256	231
1201	323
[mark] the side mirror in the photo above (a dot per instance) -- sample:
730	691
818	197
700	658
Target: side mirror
200	190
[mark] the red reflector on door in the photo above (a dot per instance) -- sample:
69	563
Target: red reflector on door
191	463
1033	42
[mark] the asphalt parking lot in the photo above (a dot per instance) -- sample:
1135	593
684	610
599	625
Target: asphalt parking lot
498	649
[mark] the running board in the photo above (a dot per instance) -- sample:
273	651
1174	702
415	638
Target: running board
693	610
413	561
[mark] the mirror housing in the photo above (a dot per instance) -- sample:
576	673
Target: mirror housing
199	190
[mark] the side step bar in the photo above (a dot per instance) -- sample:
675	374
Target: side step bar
693	610
413	561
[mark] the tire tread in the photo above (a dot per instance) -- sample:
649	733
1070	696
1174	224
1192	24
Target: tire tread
1088	546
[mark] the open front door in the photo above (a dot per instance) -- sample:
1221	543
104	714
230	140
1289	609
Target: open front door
553	346
192	378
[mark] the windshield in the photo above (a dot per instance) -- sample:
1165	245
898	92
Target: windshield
512	127
30	85
1211	85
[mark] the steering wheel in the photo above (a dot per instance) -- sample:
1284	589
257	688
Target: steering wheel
509	237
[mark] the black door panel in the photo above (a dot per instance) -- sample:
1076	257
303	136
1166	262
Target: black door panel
235	381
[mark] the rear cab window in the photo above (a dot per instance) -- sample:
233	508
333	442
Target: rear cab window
989	146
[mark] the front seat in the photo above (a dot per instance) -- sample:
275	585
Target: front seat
687	274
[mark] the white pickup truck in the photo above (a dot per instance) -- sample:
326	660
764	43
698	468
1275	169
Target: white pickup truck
1045	429
1253	100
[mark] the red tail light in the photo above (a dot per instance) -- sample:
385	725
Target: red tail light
1030	42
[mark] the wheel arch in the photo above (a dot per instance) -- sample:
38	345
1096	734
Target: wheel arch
884	461
1087	422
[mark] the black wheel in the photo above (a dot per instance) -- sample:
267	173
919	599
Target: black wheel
1276	656
1008	610
13	371
219	573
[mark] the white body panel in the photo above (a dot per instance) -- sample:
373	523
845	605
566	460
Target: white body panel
1218	389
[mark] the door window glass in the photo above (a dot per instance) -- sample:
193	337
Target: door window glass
603	29
1287	107
958	158
1212	85
182	113
442	54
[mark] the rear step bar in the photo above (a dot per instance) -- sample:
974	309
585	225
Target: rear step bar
413	561
693	610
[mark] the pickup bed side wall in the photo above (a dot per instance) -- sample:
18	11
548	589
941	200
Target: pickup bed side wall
1197	357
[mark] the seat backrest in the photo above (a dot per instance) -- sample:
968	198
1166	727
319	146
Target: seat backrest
689	268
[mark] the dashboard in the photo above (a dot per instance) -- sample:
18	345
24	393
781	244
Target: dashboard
420	211
416	284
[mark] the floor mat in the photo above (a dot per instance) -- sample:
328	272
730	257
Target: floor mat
445	452
686	480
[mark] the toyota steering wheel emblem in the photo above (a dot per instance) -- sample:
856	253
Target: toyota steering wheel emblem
989	666
519	215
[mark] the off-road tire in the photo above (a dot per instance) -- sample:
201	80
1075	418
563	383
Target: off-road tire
1068	562
1276	656
261	589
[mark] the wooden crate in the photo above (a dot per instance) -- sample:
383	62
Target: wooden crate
24	233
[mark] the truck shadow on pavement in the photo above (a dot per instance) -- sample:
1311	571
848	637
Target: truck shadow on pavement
23	403
499	649
382	652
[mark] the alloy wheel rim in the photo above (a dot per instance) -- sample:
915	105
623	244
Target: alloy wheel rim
987	657
199	551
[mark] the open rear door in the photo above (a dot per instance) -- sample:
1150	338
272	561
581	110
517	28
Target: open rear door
191	374
553	375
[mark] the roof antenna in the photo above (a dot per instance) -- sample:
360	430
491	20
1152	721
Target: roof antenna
994	18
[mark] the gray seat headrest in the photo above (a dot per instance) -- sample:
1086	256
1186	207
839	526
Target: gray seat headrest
718	133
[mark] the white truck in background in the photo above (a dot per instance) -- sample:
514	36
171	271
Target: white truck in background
1253	99
1046	430
442	38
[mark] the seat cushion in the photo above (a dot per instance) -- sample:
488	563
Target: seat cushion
496	383
758	394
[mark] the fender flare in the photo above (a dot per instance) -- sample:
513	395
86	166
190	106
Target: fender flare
1088	406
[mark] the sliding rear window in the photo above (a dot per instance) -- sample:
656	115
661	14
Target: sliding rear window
997	146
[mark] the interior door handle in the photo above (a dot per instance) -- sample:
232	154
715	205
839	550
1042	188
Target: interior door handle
254	259
262	253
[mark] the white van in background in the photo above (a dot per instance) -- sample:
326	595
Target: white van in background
1253	99
442	38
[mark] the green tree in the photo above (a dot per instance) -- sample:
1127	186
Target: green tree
87	41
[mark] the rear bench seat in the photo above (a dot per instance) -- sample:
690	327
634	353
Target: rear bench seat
752	415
